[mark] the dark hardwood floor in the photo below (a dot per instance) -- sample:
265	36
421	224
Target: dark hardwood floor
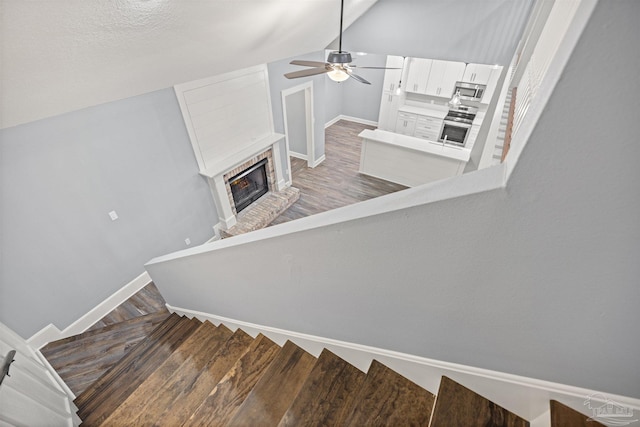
336	182
83	358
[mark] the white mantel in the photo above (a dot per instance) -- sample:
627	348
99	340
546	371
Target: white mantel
216	172
230	121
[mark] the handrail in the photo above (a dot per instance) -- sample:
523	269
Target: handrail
7	363
509	130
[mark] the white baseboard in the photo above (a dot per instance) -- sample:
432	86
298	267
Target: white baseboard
52	333
45	335
298	155
359	120
526	397
350	119
332	121
318	161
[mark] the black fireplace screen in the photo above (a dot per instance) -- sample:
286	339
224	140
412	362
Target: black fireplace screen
249	185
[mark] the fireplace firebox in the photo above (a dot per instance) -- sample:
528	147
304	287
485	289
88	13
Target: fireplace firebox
249	185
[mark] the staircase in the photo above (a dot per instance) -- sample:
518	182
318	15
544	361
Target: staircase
186	372
502	138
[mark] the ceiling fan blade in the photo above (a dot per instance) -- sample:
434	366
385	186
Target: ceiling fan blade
308	63
307	73
356	77
373	68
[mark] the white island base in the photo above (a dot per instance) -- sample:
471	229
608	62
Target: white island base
408	160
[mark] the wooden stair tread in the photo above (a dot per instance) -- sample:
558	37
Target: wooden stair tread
109	394
276	389
146	301
159	389
229	394
186	403
55	348
164	327
456	405
327	394
563	416
388	398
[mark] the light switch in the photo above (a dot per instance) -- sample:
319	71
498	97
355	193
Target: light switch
187	241
113	215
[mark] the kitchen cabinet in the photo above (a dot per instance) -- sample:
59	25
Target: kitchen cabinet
388	116
484	75
477	73
428	128
392	97
393	73
418	75
443	77
406	123
473	135
407	161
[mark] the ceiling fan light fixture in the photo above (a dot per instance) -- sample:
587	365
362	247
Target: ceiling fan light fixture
339	57
338	74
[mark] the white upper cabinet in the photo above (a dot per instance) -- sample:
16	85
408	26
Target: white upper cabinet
483	74
478	73
443	77
433	77
393	74
418	75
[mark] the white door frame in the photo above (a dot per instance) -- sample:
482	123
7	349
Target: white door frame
308	102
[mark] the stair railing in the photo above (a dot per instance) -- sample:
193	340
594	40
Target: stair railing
6	364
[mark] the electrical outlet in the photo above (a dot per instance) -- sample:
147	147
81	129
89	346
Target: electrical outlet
113	215
187	241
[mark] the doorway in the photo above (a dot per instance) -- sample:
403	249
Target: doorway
297	110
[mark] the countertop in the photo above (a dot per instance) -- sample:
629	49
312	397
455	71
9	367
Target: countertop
417	144
430	110
437	111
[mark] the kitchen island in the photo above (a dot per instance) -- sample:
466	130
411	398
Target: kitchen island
409	160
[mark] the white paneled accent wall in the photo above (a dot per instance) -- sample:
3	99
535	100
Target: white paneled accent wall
227	113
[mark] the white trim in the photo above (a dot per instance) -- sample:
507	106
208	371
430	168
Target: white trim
52	333
350	119
297	156
181	89
307	87
527	397
332	121
216	233
57	379
359	120
319	160
45	335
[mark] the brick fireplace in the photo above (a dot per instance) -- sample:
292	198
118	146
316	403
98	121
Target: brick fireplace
233	173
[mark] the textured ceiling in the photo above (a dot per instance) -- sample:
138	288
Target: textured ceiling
62	55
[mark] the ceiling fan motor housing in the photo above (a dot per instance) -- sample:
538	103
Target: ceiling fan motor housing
339	57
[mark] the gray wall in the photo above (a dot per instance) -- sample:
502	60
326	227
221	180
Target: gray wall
361	100
61	253
296	122
484	32
334	94
538	279
278	83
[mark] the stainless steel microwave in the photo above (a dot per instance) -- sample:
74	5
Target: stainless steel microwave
470	91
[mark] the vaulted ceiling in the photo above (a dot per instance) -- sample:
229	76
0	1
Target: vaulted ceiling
64	55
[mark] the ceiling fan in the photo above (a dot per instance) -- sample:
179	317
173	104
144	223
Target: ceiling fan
337	67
